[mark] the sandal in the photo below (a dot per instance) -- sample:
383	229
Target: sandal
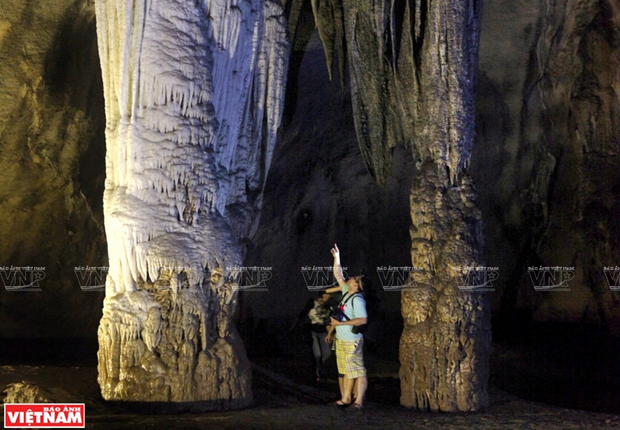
355	407
340	404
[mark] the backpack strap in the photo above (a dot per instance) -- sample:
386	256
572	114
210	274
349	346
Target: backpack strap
352	305
348	298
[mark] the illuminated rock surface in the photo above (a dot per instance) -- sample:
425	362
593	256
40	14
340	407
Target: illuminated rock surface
52	153
193	100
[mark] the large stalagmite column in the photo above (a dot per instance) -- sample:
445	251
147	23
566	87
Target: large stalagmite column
445	345
193	95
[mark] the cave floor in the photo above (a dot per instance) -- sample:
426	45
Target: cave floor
287	397
283	404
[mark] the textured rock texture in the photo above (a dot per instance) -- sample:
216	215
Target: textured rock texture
547	154
52	152
430	78
447	338
445	347
29	392
194	93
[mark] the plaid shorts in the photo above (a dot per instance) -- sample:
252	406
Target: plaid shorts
350	358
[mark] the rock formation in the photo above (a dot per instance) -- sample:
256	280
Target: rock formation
193	95
52	151
547	151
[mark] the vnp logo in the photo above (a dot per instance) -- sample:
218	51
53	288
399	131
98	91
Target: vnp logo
44	415
252	278
397	278
612	274
318	278
551	278
477	278
91	278
22	278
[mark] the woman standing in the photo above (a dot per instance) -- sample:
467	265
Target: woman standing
349	342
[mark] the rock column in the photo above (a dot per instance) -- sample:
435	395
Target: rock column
445	345
193	95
